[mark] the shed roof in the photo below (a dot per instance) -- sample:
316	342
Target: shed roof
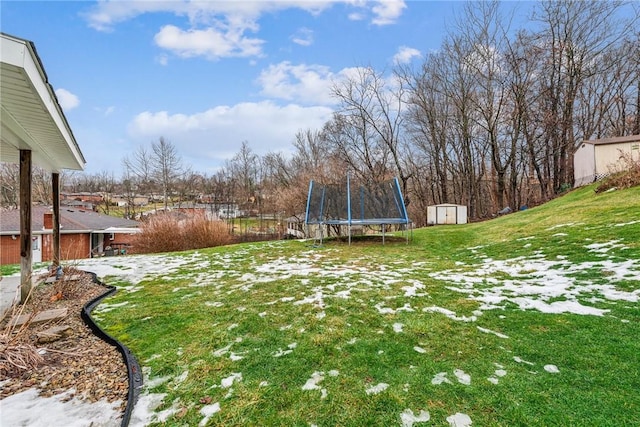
70	220
31	116
614	140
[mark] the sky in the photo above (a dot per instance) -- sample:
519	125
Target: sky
207	76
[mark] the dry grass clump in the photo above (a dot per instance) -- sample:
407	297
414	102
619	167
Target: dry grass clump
627	178
17	354
169	233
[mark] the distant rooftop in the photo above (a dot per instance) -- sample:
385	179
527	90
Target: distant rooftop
70	220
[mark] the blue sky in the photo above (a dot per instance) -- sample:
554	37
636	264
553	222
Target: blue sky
209	75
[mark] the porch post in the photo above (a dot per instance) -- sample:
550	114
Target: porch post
26	255
55	250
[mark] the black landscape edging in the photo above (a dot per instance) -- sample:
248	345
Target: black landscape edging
133	368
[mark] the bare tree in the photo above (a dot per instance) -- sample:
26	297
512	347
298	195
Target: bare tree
9	184
139	168
107	186
244	166
369	123
574	34
166	166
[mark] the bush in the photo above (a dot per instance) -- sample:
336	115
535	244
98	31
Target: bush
627	178
170	233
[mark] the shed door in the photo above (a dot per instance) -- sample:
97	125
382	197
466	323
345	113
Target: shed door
451	215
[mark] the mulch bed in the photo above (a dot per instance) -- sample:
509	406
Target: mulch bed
79	360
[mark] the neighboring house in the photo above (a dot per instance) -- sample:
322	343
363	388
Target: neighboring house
83	234
78	204
84	197
228	211
597	158
136	200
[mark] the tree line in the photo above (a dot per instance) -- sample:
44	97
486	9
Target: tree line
491	119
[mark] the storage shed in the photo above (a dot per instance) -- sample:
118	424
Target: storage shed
446	213
597	158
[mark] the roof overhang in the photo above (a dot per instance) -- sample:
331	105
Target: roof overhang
614	140
31	116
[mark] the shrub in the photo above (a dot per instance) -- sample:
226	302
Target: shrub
626	178
169	233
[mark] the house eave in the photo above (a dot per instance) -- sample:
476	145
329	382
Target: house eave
31	116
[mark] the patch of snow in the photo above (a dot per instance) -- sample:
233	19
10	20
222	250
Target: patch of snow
532	282
412	291
235	357
552	369
463	377
27	408
282	352
221	351
378	388
208	411
439	378
520	360
459	420
312	383
408	419
450	314
489	331
397	327
143	412
626	223
228	382
181	378
419	349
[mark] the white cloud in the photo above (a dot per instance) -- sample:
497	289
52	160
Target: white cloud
387	11
303	37
67	100
210	43
405	55
208	138
302	83
306	84
107	13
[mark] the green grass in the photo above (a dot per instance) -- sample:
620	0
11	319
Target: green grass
399	314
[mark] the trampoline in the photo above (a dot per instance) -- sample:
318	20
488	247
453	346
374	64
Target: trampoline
356	206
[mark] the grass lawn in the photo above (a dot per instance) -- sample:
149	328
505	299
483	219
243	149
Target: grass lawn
531	319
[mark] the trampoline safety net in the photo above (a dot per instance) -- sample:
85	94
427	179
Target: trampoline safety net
379	203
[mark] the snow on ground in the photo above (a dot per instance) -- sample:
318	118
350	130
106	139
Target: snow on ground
459	420
29	409
533	283
408	418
